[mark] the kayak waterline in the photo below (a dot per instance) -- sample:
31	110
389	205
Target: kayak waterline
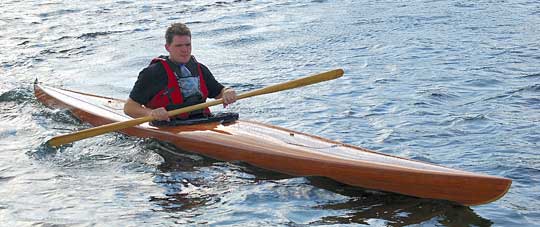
294	153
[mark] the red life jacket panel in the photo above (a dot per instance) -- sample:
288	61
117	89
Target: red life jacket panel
171	96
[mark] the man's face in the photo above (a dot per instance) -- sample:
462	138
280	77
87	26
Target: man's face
179	49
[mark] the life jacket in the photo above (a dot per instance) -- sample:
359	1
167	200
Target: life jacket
171	97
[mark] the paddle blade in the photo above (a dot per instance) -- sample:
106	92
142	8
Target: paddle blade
96	131
317	78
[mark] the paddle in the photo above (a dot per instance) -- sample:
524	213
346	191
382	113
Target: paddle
86	133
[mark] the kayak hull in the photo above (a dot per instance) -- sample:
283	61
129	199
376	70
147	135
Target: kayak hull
291	152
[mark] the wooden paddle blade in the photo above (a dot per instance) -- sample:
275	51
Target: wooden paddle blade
91	132
317	78
96	131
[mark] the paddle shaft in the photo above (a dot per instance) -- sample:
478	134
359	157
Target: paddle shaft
86	133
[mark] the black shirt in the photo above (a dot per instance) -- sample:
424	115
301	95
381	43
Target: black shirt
153	79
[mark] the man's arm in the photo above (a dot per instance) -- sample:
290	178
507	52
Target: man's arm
136	110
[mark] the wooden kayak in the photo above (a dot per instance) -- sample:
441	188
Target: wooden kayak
290	152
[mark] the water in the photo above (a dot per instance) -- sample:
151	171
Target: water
455	83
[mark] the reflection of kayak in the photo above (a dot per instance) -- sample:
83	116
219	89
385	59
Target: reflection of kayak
293	153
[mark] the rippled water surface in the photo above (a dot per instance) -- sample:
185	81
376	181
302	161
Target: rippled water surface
456	83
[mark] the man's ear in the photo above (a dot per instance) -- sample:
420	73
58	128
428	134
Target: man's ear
167	47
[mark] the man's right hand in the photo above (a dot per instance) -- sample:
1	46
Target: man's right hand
160	114
136	110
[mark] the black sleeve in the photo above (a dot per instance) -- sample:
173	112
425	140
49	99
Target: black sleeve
214	87
150	81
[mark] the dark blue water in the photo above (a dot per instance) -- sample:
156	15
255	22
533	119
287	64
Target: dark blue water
456	83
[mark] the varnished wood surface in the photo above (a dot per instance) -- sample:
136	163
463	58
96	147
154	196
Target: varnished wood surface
294	153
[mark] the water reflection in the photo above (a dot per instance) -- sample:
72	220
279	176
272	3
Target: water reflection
175	159
398	210
193	182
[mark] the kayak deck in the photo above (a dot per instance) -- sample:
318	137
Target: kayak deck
294	153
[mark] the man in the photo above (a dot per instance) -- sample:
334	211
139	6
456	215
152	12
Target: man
175	81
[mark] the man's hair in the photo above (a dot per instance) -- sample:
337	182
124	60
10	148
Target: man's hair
176	29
